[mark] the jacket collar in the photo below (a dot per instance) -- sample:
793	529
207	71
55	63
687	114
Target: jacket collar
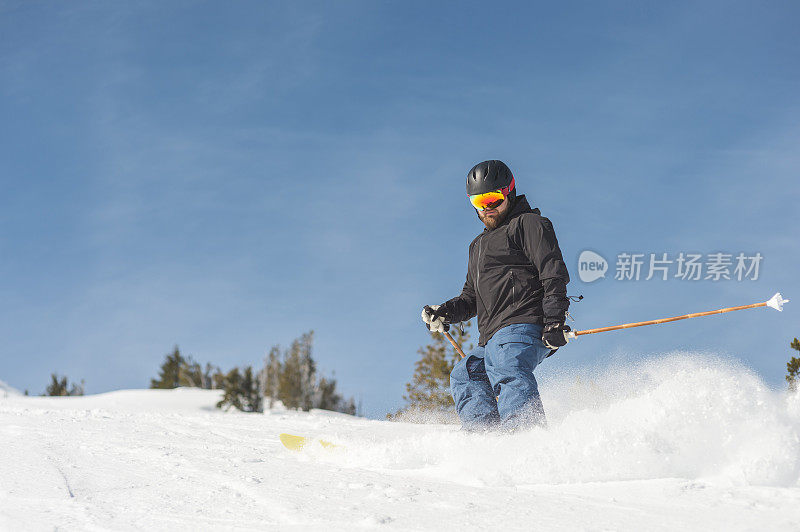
520	206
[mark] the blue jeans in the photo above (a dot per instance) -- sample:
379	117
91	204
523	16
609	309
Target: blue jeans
494	386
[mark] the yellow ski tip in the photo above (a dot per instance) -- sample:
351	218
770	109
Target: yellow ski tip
292	442
297	443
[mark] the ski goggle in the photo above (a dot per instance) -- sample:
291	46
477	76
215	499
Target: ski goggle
493	199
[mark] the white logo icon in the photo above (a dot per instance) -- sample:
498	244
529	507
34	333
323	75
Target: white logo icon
591	266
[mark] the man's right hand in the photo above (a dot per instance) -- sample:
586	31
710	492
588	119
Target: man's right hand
436	318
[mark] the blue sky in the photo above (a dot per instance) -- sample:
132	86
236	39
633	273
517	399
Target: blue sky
227	176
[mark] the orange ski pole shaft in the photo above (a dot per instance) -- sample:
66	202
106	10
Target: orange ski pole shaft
775	302
455	344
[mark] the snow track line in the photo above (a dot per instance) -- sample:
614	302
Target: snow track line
61	472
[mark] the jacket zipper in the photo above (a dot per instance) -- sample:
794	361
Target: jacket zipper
513	289
478	265
478	272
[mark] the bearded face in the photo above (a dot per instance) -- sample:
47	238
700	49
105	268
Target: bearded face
492	218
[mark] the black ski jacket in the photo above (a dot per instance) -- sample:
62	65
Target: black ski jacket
515	274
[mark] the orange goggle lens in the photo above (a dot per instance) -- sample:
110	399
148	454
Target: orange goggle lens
487	200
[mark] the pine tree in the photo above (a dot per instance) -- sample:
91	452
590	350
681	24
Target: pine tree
77	389
326	397
190	374
60	387
308	371
57	387
217	379
429	389
291	377
232	385
241	391
251	395
297	379
212	377
170	374
793	368
349	407
269	376
178	370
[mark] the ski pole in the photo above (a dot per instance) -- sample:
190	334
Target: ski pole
455	345
775	302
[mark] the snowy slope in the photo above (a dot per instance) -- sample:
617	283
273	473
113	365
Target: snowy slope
681	441
6	390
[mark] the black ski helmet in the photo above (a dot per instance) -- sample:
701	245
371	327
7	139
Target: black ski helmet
488	176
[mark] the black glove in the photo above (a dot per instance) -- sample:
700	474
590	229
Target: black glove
554	335
436	318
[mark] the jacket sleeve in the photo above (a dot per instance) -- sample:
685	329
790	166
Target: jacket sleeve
463	307
538	240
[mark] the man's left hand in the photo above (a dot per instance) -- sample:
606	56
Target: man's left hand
436	318
554	335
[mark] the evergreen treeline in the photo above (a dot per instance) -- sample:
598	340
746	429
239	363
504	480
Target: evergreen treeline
793	367
428	394
291	378
241	391
60	387
288	376
178	370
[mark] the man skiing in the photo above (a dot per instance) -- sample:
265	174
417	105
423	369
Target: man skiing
517	285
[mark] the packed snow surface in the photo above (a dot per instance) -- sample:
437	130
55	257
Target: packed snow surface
675	442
